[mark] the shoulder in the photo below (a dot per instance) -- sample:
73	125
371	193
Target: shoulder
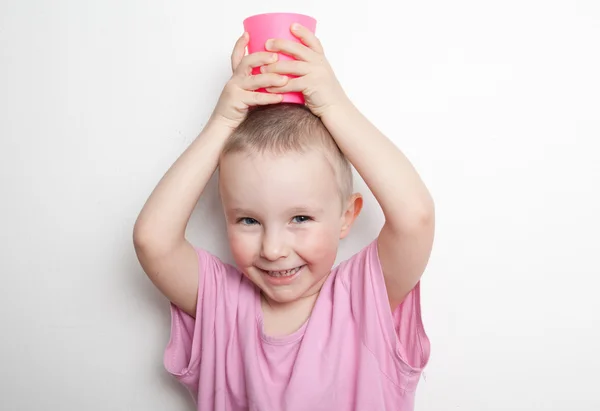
353	269
220	280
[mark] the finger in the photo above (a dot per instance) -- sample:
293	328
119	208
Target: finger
239	50
294	67
253	98
289	47
255	60
307	37
263	81
293	85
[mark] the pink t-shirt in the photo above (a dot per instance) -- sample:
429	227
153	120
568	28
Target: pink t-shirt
351	354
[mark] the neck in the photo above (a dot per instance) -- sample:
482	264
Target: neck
306	301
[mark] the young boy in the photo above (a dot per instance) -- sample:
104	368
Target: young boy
283	330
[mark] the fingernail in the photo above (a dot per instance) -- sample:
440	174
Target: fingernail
263	69
269	44
295	26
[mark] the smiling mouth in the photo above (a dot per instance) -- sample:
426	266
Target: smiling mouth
285	273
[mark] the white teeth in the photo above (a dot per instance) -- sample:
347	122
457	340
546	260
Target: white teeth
285	273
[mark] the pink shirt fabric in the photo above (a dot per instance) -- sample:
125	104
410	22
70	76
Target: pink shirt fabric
353	353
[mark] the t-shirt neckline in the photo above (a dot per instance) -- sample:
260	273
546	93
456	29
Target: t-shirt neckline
280	340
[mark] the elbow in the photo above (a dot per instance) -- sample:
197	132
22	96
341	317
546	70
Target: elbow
413	219
425	215
421	219
141	237
421	213
150	242
145	239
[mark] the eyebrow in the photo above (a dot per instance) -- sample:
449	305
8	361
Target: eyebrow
242	211
306	209
294	210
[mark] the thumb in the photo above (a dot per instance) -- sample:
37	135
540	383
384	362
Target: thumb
239	51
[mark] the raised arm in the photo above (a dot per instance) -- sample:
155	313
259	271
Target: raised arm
166	256
406	239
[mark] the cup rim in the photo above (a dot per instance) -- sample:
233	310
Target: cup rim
279	14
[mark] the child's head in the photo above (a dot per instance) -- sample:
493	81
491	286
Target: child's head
287	195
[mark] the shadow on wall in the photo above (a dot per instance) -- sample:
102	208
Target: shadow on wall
151	308
366	227
207	228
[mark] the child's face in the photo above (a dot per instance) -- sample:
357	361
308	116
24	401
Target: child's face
283	213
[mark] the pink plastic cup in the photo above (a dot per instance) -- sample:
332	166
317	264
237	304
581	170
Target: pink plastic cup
263	27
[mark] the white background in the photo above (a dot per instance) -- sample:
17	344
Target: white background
497	103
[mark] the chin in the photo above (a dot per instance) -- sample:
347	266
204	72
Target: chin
291	295
282	298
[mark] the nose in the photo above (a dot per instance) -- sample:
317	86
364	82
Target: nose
273	246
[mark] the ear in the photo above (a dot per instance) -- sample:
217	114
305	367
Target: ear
351	212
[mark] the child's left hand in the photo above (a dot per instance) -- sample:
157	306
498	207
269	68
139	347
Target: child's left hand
316	80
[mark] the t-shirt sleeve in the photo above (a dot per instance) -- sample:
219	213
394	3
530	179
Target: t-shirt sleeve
218	287
398	340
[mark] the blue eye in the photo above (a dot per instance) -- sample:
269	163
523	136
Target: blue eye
301	219
247	221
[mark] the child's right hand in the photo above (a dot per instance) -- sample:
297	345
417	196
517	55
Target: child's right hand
239	93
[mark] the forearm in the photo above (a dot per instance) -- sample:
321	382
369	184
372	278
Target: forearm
164	217
395	183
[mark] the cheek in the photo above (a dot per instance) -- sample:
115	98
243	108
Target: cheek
320	245
241	246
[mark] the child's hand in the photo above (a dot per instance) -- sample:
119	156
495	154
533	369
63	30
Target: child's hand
238	94
315	80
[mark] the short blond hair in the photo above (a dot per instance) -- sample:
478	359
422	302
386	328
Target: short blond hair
286	127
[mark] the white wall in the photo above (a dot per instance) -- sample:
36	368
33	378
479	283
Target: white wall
497	104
